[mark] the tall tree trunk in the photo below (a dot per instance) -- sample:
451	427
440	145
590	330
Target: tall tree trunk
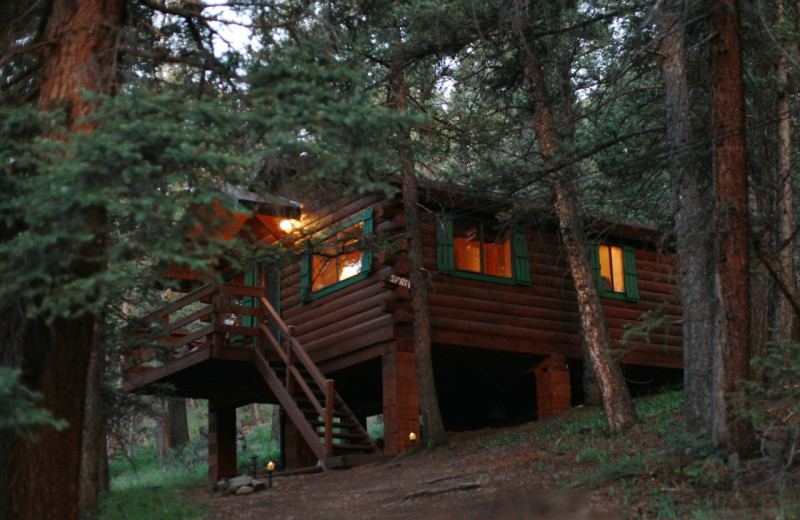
434	431
731	355
94	439
177	423
785	319
161	430
275	423
617	402
46	471
692	226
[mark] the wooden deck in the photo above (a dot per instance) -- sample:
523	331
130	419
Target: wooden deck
226	343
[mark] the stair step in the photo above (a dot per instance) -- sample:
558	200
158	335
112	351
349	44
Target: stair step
352	447
349	435
318	424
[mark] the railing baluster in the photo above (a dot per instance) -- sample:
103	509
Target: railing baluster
329	393
289	363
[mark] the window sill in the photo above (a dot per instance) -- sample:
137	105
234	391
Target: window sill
335	287
484	277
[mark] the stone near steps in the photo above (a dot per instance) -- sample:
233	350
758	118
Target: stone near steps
244	490
237	482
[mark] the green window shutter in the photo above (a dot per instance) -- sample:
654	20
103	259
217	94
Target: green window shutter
631	276
522	265
594	257
445	261
305	276
369	227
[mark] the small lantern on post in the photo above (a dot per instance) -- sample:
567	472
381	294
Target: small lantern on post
270	470
254	461
413	438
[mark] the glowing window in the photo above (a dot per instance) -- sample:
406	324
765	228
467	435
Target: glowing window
478	248
338	258
612	270
615	268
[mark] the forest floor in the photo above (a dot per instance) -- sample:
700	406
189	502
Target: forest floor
562	467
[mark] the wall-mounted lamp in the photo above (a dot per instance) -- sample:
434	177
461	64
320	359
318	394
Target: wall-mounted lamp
288	225
413	438
270	470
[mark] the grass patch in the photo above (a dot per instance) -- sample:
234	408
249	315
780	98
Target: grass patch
140	489
135	502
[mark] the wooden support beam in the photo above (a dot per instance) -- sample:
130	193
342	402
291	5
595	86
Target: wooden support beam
221	443
553	391
400	401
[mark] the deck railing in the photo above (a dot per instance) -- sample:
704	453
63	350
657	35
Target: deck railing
212	316
232	315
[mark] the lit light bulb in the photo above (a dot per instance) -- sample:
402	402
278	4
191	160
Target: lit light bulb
286	225
412	437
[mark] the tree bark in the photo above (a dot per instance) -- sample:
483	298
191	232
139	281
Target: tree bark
94	438
44	473
693	224
785	320
161	431
434	431
731	355
177	423
617	402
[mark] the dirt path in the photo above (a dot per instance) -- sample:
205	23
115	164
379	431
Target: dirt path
463	481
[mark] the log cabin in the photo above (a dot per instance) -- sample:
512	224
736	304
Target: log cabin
329	337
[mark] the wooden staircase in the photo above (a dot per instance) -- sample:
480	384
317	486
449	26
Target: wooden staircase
309	399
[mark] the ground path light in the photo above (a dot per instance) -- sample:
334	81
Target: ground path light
270	469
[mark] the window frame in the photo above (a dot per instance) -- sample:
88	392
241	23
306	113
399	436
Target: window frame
630	274
445	252
306	268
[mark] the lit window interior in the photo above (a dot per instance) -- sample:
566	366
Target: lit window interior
338	259
612	273
479	249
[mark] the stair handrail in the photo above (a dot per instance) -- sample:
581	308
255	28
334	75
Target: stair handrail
326	386
297	349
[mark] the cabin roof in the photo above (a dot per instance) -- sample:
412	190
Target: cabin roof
464	196
262	203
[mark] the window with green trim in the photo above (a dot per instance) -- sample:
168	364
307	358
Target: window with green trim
482	249
337	260
615	271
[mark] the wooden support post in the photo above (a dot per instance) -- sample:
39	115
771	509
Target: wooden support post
221	443
329	393
400	401
553	391
298	453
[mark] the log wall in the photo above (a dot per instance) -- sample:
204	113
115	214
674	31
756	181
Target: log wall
365	320
348	326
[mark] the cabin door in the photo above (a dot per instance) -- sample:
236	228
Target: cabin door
272	290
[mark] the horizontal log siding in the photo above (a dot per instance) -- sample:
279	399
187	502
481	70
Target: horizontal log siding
543	318
344	327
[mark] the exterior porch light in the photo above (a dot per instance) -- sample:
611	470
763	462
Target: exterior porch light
270	469
287	225
413	438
